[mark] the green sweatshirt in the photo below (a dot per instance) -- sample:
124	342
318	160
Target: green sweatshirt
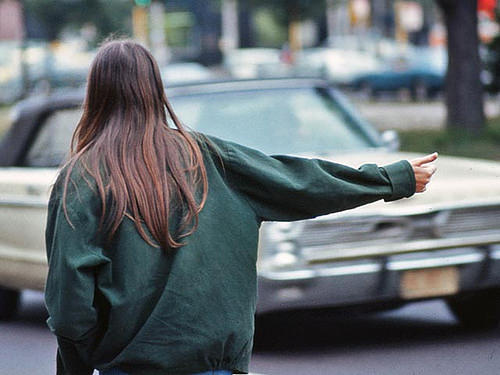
150	312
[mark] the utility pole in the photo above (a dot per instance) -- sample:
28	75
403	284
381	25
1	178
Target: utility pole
294	27
157	38
230	25
140	22
379	10
330	18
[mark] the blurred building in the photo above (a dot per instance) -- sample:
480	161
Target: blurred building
11	20
194	28
203	30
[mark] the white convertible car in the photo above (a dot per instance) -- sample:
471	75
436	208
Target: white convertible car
441	244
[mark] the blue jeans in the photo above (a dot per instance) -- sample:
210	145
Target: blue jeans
115	371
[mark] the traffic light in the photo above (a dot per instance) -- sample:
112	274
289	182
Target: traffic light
142	3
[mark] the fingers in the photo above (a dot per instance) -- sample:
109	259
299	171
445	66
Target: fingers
424	170
424	160
423	176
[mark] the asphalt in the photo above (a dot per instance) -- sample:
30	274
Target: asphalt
421	338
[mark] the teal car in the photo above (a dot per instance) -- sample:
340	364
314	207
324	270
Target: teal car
421	71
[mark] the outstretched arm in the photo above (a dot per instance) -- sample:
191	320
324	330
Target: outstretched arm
286	188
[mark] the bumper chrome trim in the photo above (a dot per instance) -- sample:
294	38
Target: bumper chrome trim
457	260
375	282
440	260
21	256
324	272
30	202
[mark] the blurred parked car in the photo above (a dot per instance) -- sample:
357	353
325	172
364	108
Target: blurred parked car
441	244
185	72
339	66
381	47
246	63
419	70
10	71
39	68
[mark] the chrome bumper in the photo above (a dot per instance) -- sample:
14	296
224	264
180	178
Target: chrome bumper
365	281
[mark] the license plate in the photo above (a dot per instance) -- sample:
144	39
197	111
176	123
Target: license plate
430	282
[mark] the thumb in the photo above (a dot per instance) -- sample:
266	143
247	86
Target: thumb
425	159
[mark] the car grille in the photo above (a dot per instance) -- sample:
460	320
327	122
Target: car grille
363	231
377	230
471	221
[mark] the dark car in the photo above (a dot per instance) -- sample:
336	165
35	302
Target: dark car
441	244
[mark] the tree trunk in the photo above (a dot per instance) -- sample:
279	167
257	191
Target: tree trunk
294	27
464	92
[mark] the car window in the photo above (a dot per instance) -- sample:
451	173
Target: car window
290	121
51	145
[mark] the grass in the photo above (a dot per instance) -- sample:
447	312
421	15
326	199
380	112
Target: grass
484	146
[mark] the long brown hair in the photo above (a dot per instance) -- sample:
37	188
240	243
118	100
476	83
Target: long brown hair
142	166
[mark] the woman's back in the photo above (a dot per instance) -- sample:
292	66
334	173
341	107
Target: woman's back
191	309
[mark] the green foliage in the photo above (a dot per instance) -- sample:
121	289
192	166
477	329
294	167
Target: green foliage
178	27
458	143
287	10
270	33
55	16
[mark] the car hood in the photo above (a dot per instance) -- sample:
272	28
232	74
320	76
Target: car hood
457	182
27	182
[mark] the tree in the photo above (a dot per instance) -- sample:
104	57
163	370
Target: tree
464	92
54	16
291	12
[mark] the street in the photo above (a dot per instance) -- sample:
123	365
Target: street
421	338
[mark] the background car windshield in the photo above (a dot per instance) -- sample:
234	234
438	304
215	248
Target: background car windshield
291	121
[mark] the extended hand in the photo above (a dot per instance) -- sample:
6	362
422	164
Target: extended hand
423	170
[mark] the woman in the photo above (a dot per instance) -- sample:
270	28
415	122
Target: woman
152	230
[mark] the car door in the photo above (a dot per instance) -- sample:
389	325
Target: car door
24	193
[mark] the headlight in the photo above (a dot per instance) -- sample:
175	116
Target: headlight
292	245
279	246
14	114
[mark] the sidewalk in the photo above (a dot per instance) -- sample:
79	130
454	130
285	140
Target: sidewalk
386	115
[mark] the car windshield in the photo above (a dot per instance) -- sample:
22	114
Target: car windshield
285	121
275	121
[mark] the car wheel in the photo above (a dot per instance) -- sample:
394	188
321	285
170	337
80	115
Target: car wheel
480	310
9	303
419	90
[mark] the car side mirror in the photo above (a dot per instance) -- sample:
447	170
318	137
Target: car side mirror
390	140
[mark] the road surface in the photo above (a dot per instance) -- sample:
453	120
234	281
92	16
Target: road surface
421	338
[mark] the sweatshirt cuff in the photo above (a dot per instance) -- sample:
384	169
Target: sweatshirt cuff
402	180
